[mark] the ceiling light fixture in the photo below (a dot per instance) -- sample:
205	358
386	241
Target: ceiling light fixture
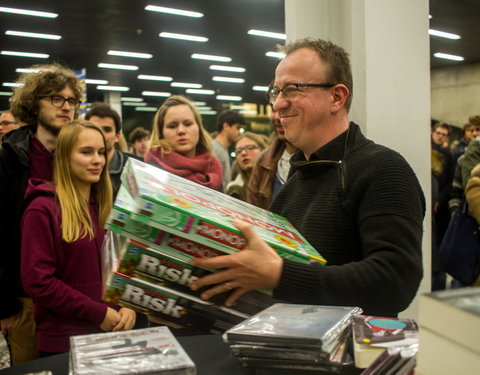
186	85
26	54
130	99
178	12
134	104
154	78
130	54
229	97
27	12
267	34
208	112
278	55
443	34
146	109
260	88
113	88
117	66
211	57
6	93
199	104
156	93
192	38
12	84
227	68
200	91
33	35
25	70
447	56
96	82
228	79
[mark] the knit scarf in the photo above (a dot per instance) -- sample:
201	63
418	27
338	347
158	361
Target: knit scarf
204	168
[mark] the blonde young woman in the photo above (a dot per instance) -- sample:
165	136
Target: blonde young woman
247	147
62	236
180	144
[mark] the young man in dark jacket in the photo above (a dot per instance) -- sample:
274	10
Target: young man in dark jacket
46	100
358	203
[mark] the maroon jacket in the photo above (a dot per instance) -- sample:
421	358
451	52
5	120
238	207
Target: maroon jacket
64	279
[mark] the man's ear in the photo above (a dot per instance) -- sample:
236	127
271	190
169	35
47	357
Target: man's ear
226	125
339	97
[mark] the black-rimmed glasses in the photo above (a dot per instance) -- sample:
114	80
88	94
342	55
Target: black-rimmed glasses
59	101
291	90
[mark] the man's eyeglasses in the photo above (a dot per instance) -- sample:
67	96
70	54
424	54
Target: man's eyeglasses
239	150
440	133
59	101
291	90
6	123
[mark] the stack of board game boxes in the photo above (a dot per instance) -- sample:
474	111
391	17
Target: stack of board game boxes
165	221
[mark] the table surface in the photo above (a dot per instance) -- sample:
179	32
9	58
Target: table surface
209	353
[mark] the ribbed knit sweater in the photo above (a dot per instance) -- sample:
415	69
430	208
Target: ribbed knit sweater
361	206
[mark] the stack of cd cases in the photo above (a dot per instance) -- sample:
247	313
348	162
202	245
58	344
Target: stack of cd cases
142	351
294	337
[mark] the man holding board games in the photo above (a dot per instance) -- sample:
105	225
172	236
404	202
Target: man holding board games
358	203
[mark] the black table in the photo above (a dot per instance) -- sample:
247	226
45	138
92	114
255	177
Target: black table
209	353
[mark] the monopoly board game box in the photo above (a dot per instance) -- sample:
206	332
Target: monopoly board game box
171	305
171	271
179	206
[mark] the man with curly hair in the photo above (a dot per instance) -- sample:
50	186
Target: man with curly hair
45	99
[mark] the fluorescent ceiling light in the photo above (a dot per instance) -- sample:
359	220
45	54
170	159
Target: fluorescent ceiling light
130	54
156	93
267	34
146	109
117	66
199	104
448	57
192	38
229	97
5	93
33	35
209	112
227	68
12	84
278	55
27	12
211	57
248	112
113	88
228	79
204	108
154	78
443	34
134	104
130	99
26	54
25	70
96	82
260	88
430	17
200	91
186	84
178	12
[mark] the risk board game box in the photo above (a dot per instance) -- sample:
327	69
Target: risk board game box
179	206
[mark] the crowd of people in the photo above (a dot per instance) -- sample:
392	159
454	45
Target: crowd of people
358	203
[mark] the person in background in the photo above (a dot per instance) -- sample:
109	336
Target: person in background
229	125
247	148
139	138
458	147
272	167
45	101
358	203
181	145
7	123
62	238
107	119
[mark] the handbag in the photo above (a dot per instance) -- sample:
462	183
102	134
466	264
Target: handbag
459	251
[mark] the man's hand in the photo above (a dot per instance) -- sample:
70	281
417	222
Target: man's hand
258	266
111	319
127	319
6	324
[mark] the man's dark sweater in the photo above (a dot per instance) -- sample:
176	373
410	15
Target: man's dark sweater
361	206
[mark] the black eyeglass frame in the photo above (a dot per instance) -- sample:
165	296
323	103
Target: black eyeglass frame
273	93
75	105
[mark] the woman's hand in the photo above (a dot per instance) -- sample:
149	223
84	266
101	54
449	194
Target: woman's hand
127	319
111	319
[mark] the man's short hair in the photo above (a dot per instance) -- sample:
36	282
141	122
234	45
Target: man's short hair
45	80
466	128
103	110
229	117
474	120
443	126
335	57
138	134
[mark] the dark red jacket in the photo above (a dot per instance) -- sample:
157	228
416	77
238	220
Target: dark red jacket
64	279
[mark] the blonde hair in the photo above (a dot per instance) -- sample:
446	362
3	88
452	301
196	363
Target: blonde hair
157	139
76	220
